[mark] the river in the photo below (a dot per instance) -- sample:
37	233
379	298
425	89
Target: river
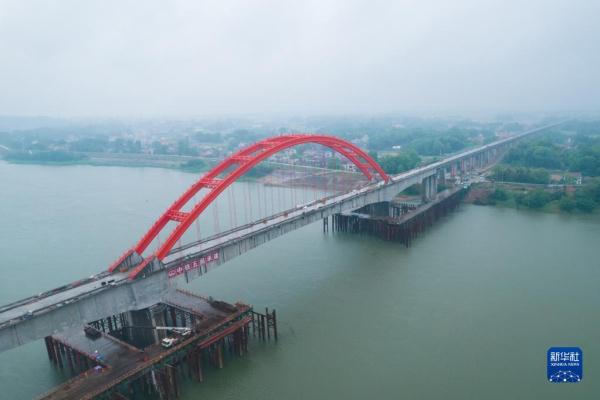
467	312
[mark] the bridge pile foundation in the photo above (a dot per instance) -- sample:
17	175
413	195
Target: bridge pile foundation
403	224
265	324
107	362
62	354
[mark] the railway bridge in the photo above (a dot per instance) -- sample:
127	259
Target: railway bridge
141	278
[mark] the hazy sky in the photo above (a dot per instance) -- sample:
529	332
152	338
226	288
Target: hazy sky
192	58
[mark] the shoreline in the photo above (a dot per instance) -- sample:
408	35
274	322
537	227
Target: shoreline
121	160
170	162
482	194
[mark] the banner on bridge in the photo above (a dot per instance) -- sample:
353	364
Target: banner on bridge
200	263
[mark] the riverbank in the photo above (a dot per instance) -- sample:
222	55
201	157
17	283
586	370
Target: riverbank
268	173
184	163
583	199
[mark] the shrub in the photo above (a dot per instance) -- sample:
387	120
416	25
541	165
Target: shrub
585	204
567	204
535	199
499	195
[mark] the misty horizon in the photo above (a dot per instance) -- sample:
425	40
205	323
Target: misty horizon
187	60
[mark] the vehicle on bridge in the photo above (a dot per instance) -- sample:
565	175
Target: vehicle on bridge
169	342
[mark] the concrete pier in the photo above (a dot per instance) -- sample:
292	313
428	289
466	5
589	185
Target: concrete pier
402	222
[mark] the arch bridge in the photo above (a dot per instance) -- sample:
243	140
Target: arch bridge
135	281
223	175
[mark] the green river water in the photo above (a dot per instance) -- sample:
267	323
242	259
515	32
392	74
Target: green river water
467	312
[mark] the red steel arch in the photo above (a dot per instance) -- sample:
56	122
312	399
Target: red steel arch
233	168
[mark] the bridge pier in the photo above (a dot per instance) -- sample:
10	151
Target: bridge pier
404	223
441	176
429	188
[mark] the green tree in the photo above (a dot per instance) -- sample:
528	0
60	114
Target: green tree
505	173
400	162
499	194
585	204
567	204
540	153
534	199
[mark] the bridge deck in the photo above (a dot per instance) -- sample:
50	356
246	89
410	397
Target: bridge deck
123	361
262	225
56	310
58	297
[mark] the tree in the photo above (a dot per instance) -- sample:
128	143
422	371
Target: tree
567	204
506	173
499	195
541	153
585	204
593	190
534	199
400	162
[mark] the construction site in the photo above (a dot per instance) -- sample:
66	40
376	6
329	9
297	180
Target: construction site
146	353
397	220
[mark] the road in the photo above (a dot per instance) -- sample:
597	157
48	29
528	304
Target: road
57	298
34	306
